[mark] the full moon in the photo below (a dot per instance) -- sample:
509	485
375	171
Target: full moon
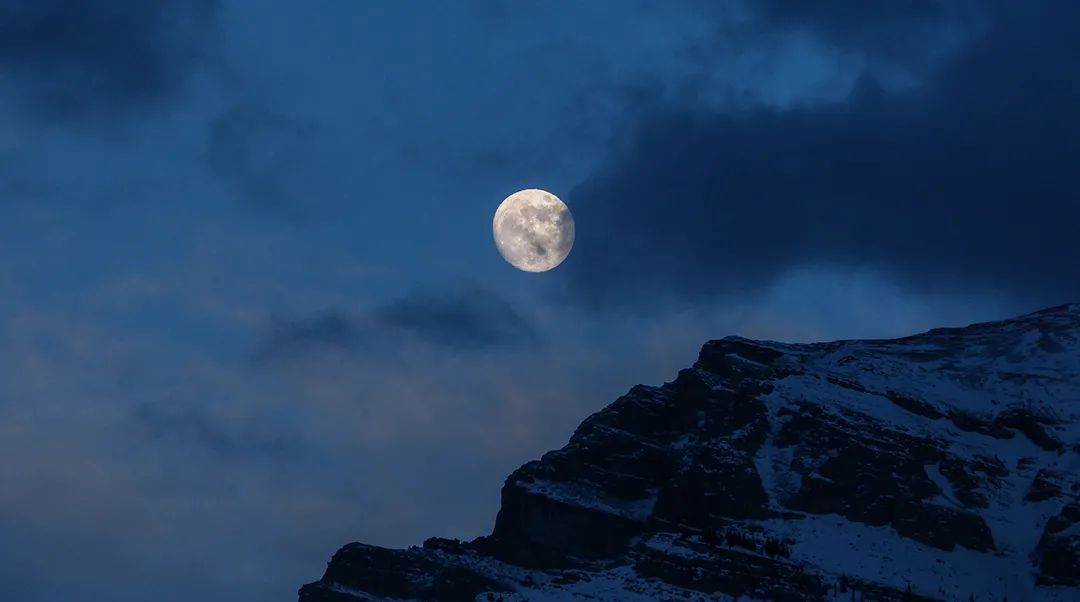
533	230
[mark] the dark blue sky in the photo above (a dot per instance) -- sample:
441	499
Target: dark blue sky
250	308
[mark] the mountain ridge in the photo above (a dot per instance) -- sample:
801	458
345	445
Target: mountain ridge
936	466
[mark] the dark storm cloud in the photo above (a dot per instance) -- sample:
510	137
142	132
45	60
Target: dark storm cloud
258	152
72	59
970	179
461	319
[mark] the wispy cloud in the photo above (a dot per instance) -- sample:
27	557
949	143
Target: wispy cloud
462	319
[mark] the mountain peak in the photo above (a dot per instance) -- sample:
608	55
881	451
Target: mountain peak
936	466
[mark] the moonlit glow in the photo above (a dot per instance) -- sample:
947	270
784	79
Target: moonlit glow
533	230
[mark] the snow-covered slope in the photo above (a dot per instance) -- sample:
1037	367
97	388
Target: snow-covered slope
939	466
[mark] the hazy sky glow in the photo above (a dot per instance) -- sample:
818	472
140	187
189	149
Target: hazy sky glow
250	307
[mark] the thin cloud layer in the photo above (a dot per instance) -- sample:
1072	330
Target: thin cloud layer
253	476
965	181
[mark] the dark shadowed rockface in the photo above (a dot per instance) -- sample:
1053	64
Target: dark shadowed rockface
938	466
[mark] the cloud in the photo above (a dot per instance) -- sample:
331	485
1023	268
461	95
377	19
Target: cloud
72	60
185	422
293	336
894	30
463	319
965	181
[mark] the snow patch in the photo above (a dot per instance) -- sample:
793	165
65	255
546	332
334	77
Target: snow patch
586	496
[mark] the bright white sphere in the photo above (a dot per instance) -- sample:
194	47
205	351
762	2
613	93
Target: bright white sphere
533	230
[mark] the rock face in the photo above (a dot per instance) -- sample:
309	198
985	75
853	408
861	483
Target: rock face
939	466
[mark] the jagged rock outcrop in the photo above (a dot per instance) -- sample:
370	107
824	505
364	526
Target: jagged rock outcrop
938	466
1058	552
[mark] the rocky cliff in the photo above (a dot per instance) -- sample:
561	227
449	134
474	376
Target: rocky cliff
938	466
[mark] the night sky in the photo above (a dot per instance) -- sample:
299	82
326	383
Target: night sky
250	306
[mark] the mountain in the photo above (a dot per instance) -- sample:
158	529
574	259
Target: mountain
938	466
